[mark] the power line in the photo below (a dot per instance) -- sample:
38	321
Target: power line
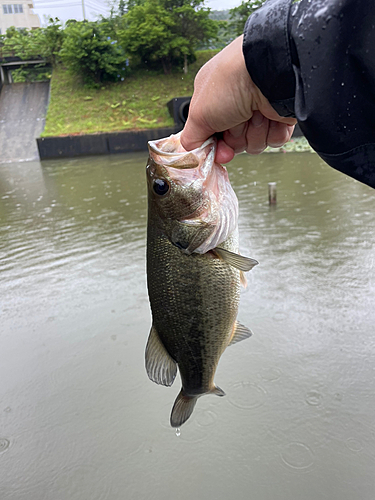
98	2
57	6
96	10
89	2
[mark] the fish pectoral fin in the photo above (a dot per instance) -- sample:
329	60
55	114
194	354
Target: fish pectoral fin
182	409
240	332
189	234
234	259
160	367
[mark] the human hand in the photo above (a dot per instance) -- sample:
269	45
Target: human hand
226	100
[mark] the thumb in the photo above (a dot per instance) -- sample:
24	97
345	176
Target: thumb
193	135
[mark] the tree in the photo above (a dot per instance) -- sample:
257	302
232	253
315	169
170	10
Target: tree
239	15
166	31
147	34
53	35
192	25
87	51
121	7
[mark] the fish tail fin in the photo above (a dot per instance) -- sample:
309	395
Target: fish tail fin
182	409
184	405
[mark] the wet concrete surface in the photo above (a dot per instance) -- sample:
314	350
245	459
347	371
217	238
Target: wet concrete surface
78	416
23	108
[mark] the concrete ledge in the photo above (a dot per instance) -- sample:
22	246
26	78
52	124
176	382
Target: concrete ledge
99	144
105	144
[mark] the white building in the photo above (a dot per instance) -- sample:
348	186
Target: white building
20	15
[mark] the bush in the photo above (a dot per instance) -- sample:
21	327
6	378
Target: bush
87	51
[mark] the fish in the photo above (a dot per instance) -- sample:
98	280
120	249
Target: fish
194	269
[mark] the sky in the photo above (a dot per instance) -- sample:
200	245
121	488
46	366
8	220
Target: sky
72	9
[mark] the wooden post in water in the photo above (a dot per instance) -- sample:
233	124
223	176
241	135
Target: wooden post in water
272	193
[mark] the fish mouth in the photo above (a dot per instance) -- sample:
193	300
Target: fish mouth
170	153
215	219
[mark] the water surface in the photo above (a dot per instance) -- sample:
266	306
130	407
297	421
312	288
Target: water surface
79	418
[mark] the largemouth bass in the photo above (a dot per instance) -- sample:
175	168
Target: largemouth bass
193	269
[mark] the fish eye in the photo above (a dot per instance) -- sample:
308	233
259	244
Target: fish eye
161	187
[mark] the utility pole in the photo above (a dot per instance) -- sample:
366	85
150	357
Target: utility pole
83	10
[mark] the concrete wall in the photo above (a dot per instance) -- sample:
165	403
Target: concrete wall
23	109
99	144
107	143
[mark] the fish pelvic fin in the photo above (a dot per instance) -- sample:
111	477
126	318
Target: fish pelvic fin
234	259
160	367
240	332
184	405
243	279
182	409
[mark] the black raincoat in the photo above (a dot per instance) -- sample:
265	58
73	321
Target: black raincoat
315	60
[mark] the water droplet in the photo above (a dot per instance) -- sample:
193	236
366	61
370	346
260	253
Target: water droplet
4	444
354	445
270	374
313	398
297	456
178	432
205	418
247	396
280	316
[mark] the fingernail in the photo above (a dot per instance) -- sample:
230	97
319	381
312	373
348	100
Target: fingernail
257	119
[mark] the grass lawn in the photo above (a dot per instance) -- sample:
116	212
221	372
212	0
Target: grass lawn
137	103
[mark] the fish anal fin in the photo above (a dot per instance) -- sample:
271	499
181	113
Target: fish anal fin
160	367
234	259
182	409
240	332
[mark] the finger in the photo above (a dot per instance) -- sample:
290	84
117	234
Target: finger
235	137
224	153
278	134
290	131
257	131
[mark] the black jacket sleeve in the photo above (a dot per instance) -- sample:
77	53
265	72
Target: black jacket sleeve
315	60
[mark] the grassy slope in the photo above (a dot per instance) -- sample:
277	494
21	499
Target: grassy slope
138	102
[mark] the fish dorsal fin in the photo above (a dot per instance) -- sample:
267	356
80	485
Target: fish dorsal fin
160	367
182	409
241	332
234	259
